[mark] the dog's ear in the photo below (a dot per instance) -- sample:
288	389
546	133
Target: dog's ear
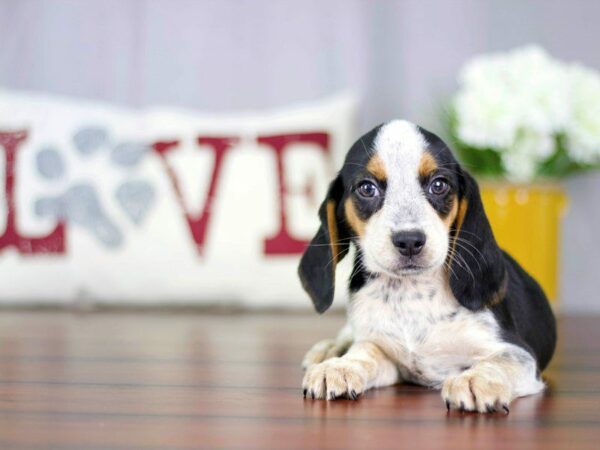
327	248
477	275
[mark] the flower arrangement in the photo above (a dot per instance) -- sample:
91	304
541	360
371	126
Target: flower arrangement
524	115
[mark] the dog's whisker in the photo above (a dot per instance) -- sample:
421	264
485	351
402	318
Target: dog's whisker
465	241
458	255
335	257
467	268
459	245
461	262
449	267
452	253
471	233
339	241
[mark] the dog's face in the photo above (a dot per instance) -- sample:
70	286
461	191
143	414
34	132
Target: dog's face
410	208
401	199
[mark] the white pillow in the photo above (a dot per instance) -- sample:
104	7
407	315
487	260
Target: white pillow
132	229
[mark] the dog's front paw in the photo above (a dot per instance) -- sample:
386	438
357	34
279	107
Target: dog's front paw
334	378
470	391
323	350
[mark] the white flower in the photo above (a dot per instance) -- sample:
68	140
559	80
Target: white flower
514	102
520	167
522	158
517	104
485	120
583	128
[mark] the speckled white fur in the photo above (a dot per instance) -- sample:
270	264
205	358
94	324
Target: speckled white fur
412	328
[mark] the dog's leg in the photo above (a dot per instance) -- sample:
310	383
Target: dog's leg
364	366
329	348
493	382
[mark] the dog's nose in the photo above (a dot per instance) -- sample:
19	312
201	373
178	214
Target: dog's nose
409	243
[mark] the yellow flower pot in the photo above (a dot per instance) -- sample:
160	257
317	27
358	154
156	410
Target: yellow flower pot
526	223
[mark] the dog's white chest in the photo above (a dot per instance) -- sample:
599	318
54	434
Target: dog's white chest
421	326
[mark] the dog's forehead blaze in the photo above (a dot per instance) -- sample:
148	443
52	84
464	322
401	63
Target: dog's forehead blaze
376	167
355	222
427	165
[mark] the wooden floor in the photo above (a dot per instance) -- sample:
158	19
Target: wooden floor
151	381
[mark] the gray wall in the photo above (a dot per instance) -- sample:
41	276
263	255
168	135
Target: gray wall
401	56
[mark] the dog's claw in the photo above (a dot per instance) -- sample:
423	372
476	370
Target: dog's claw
304	392
462	407
312	394
353	395
490	408
448	405
505	408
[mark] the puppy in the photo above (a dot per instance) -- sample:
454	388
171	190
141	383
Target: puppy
433	299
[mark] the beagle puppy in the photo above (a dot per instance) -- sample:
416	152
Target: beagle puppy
433	299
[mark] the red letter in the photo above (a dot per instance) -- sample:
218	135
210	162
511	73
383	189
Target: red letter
198	225
282	243
53	242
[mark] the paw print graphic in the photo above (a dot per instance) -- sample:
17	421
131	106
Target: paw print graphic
80	203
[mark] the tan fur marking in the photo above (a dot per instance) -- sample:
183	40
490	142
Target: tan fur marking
333	233
462	212
499	296
377	168
449	219
428	165
459	219
352	218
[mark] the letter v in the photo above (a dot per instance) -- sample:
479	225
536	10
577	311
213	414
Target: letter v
199	224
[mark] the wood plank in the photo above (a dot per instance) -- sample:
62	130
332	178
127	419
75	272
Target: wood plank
159	381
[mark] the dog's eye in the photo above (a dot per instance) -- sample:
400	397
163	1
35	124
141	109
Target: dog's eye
439	186
367	189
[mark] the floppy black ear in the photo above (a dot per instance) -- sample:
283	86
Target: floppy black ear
327	248
477	275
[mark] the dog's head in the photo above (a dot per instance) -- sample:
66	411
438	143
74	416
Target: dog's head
409	208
